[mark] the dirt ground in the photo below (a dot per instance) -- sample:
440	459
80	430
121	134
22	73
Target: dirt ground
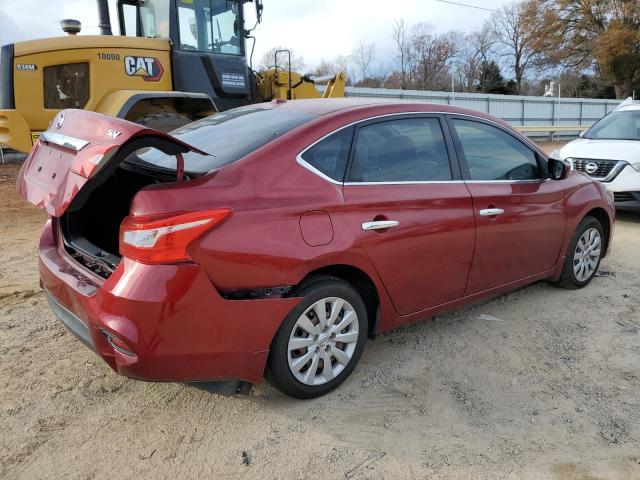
542	383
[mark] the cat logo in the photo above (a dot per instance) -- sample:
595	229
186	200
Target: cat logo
149	68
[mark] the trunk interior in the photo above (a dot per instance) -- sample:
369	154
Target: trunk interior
91	225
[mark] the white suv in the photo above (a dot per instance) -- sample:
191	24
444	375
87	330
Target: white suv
610	152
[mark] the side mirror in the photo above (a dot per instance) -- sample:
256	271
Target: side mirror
557	169
259	9
581	134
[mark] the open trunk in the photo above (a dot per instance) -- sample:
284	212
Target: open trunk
90	227
84	171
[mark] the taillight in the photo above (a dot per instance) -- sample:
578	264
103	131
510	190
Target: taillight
165	239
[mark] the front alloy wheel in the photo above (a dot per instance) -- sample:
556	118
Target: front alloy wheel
587	254
584	254
320	342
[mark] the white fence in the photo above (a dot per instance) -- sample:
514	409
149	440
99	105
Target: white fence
517	110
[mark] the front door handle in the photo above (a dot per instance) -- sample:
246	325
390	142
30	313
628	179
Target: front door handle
491	212
380	225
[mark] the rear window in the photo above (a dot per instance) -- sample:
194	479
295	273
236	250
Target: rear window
330	155
226	137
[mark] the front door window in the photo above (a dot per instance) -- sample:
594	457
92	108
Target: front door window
492	154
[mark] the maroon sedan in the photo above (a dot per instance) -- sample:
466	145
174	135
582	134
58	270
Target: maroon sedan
275	238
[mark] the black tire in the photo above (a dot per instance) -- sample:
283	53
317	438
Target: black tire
164	122
278	372
568	278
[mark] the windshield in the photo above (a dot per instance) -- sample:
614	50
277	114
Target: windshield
226	137
210	26
205	25
622	125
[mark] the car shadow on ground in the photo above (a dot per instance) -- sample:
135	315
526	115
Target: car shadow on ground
224	388
631	216
420	328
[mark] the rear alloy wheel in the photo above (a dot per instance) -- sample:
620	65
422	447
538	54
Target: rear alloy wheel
320	341
584	255
323	341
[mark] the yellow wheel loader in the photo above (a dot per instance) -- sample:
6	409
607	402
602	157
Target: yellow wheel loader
174	61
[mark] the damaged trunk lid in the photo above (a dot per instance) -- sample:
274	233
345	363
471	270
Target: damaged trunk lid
80	148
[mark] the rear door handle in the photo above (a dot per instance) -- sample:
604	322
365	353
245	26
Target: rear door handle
380	225
491	212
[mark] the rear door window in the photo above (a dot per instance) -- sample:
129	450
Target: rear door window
331	154
401	150
493	154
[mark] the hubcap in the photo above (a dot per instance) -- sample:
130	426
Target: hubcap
587	254
323	341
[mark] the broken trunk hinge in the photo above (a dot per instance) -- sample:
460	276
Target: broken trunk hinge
179	167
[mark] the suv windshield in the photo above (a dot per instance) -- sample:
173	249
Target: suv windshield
622	125
226	137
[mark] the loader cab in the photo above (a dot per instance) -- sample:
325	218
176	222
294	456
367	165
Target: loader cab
207	43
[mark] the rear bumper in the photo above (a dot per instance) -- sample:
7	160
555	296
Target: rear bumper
176	324
69	320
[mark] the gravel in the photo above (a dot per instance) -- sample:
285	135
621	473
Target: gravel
540	383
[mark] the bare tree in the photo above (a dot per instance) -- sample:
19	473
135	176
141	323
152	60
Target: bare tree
363	57
344	64
514	31
268	60
434	55
474	53
325	67
403	52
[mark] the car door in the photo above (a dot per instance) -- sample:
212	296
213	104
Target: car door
519	212
405	202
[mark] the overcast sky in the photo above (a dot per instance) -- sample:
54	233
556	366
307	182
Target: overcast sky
315	29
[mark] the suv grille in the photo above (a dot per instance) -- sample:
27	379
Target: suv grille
605	170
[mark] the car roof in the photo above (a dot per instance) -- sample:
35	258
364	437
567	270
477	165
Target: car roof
634	106
327	106
629	104
365	107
